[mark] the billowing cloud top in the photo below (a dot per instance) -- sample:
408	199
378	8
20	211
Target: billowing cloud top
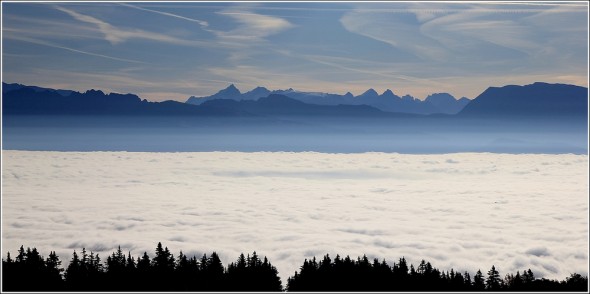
465	211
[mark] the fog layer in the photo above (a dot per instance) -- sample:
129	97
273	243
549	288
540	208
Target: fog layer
468	211
424	135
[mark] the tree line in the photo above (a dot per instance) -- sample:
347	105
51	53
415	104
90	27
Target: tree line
346	274
29	271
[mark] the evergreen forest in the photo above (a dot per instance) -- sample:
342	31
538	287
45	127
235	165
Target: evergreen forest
86	271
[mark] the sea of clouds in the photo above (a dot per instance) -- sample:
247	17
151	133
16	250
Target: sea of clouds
467	211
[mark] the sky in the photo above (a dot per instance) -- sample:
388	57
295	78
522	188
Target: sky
164	51
465	211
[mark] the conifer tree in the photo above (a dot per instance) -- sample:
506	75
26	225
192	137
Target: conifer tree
478	281
143	263
467	280
203	263
29	271
241	263
493	280
21	254
214	273
74	274
130	265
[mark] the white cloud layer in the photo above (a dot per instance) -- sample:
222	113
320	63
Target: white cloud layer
467	211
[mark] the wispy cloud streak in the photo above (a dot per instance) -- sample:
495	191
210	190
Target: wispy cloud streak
48	44
200	22
116	35
253	27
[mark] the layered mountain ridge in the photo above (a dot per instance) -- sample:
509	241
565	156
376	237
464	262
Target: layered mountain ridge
540	100
443	103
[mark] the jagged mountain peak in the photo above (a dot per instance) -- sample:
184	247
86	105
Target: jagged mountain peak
388	93
387	101
255	93
94	92
231	89
370	93
440	97
259	88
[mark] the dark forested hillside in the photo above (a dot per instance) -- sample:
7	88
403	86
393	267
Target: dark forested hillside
28	101
535	100
29	271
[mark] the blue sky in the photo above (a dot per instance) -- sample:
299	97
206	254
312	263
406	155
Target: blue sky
164	51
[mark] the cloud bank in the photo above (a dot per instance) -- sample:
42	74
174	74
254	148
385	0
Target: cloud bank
467	211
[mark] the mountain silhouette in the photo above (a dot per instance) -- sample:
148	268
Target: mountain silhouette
538	100
29	101
388	94
447	101
228	93
369	94
387	101
256	93
32	101
281	105
10	87
542	100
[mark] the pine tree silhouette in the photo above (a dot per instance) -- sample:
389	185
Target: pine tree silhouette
493	280
478	281
29	271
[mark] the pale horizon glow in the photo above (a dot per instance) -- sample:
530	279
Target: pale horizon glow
171	51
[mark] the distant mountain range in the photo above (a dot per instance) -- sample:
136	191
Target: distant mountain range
387	101
541	100
281	105
11	87
31	100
